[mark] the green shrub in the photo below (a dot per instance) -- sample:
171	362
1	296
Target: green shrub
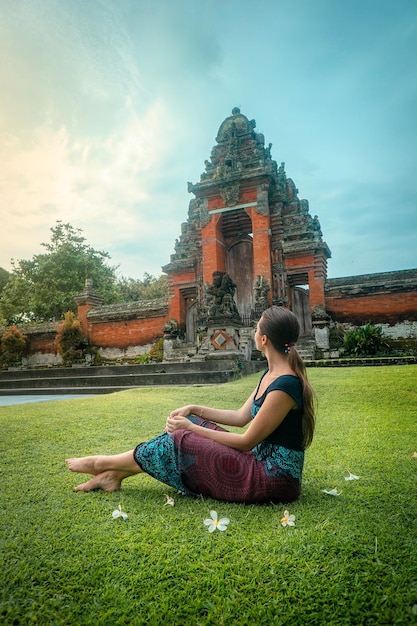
155	354
143	359
336	337
404	346
367	340
96	358
72	342
13	346
157	350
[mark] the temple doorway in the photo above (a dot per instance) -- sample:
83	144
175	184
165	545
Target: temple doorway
190	318
301	308
239	266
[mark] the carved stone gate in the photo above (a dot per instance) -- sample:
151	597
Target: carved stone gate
246	220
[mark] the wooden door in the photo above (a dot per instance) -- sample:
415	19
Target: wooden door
301	308
190	320
239	266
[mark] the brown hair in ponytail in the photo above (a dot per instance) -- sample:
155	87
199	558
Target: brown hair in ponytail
282	328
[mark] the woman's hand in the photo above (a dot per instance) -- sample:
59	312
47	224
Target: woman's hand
177	417
184	411
176	422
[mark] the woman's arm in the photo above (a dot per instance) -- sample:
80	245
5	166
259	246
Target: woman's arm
275	408
239	418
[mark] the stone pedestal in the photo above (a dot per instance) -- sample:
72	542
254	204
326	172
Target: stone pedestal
321	336
226	341
178	351
247	342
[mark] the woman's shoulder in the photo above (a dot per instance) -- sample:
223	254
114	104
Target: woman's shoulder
290	383
286	380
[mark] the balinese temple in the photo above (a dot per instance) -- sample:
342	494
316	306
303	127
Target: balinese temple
248	242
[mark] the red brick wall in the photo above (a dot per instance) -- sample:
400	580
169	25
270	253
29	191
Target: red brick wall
376	308
126	333
42	345
111	334
248	195
179	281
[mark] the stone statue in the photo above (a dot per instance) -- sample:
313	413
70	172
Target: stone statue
171	329
261	292
218	302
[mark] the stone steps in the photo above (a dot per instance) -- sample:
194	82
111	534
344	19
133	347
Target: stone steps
94	380
306	348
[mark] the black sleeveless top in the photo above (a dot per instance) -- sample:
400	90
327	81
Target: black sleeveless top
290	432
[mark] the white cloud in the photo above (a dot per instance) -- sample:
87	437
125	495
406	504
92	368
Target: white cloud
108	108
101	186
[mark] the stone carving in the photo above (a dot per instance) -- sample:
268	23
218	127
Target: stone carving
230	193
171	329
218	302
319	313
281	180
317	227
261	293
262	199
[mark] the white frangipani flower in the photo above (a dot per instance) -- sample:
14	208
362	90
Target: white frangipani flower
170	500
119	513
214	522
288	520
332	492
351	477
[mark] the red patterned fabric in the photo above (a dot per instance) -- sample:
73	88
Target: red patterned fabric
214	470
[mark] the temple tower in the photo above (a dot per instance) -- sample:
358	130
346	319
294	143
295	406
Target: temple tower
246	220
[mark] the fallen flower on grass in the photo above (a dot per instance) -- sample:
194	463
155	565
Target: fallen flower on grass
332	492
170	500
119	513
351	477
414	455
213	522
288	520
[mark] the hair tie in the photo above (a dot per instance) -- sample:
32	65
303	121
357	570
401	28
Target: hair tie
287	347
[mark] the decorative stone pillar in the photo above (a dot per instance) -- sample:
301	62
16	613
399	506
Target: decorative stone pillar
87	300
321	330
247	342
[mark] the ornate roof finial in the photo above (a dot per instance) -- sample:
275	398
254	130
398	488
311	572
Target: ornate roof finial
235	111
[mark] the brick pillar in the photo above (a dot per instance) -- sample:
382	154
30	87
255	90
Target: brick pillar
316	289
213	251
262	247
317	277
86	300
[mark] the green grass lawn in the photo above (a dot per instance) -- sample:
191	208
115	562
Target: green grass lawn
350	559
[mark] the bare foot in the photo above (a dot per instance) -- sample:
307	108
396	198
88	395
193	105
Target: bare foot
110	480
84	465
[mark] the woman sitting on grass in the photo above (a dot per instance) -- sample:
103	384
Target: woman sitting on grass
197	457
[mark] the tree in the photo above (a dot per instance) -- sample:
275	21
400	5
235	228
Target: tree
12	346
72	342
4	277
44	287
149	288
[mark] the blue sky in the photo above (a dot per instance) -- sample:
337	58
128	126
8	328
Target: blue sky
109	107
